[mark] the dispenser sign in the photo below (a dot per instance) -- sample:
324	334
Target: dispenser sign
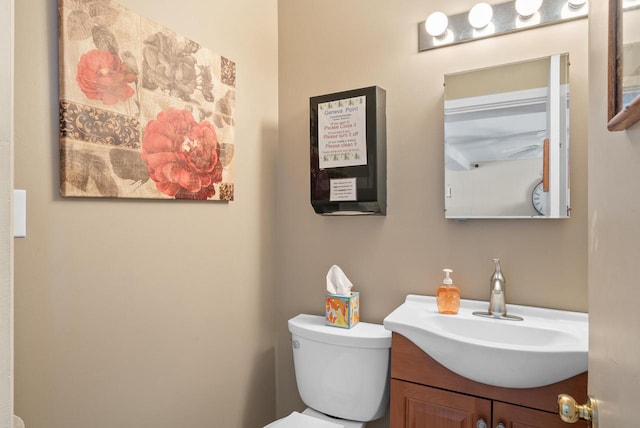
343	189
342	139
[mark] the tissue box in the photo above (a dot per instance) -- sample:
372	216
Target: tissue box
342	311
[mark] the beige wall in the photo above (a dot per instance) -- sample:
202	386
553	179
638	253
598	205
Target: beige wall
144	313
6	214
148	313
515	76
614	210
335	45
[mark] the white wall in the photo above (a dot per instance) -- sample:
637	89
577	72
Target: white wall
483	191
614	209
6	214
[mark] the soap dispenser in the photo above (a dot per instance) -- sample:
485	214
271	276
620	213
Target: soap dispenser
448	295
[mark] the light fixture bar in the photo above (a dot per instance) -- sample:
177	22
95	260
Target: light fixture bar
505	20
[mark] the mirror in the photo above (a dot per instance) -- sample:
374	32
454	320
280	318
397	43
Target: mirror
506	132
624	64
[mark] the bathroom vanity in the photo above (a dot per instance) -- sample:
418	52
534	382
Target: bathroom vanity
426	394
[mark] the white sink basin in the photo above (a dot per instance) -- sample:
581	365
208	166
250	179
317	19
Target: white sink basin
546	347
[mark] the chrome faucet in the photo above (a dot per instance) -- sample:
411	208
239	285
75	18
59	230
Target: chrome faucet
497	300
498	297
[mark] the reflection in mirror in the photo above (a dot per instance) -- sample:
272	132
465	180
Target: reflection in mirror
624	64
506	132
630	73
630	52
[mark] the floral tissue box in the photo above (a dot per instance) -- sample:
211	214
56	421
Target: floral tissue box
342	311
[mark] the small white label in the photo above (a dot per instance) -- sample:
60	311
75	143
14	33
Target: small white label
343	189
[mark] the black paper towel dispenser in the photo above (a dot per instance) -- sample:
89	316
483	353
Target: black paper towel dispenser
349	152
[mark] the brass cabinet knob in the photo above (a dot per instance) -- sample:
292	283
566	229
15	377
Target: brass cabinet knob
570	411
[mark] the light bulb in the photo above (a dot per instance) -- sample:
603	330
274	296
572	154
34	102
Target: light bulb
527	8
436	24
480	15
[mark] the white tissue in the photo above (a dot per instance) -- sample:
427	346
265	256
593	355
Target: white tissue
337	282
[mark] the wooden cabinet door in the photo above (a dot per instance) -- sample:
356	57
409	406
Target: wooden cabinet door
521	417
418	406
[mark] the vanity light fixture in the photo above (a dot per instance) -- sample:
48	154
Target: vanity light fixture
484	20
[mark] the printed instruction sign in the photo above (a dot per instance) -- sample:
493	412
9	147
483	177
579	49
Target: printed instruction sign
342	129
343	189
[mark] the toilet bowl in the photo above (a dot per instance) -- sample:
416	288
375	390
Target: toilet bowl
312	419
341	374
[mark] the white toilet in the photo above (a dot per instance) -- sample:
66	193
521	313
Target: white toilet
342	374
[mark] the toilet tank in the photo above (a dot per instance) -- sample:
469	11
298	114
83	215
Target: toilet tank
343	373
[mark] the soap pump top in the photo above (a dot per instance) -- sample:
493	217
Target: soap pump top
448	295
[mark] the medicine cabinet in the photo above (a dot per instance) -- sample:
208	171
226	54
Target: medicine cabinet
506	140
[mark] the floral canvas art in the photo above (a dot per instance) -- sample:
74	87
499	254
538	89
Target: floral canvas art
144	112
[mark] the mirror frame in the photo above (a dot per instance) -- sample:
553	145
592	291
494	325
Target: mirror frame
620	118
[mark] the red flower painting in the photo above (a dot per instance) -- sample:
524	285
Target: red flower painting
182	155
144	112
103	76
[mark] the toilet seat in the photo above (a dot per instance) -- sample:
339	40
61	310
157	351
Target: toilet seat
299	420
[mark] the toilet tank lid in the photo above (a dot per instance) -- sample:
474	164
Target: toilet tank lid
362	335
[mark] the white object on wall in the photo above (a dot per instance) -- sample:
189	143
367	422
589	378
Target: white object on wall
19	213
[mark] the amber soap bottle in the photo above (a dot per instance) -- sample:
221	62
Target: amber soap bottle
448	295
